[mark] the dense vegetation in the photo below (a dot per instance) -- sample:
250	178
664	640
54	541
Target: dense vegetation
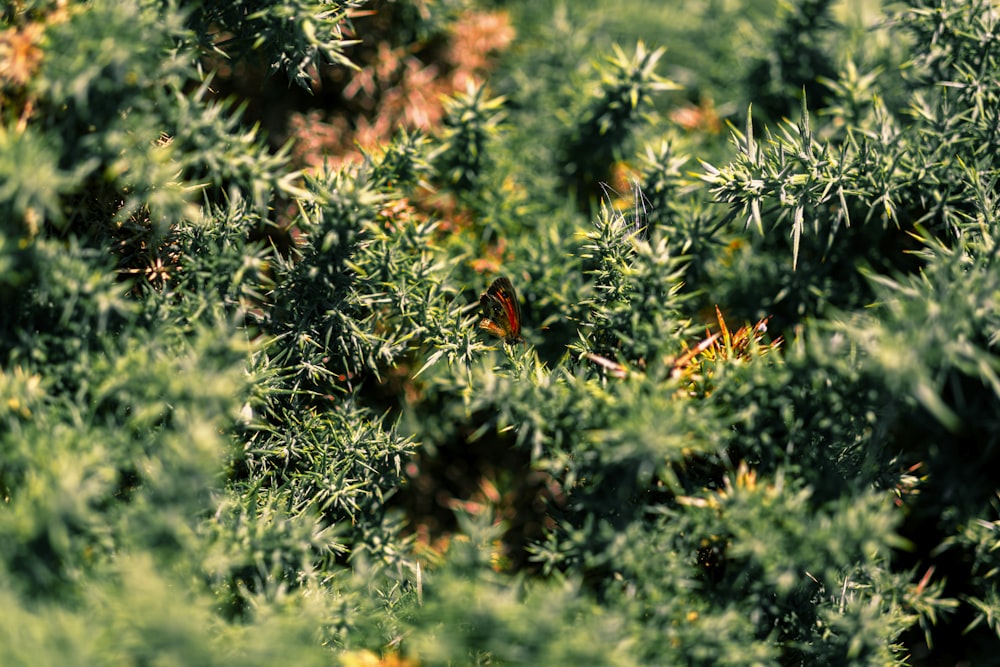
248	416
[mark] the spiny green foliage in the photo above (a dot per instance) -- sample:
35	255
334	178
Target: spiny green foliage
235	398
290	37
603	132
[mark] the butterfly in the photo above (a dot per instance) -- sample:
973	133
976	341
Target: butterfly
501	311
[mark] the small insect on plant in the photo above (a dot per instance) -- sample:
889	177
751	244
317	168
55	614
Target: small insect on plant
501	311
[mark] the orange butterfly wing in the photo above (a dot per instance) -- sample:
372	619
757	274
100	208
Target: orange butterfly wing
501	310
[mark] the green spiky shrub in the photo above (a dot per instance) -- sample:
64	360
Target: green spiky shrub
248	416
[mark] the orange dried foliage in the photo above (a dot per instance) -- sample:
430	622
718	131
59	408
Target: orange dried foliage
493	260
745	343
20	54
366	658
703	117
398	90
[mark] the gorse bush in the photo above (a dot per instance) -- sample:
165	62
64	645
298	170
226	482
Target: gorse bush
249	417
